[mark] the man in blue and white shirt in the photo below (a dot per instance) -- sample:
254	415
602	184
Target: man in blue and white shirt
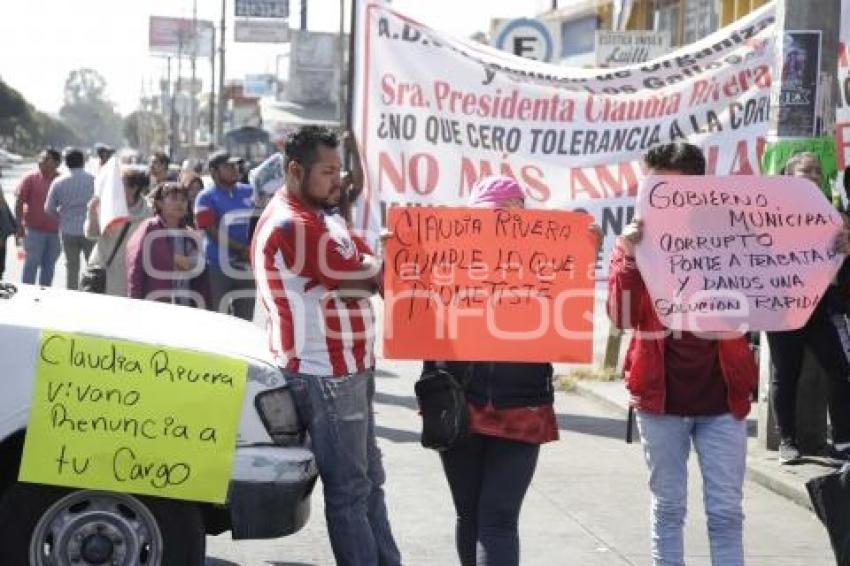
223	211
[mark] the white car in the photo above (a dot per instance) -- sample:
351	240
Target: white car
273	472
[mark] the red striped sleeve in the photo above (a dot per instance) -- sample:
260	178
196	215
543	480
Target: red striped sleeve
272	293
204	218
331	308
358	334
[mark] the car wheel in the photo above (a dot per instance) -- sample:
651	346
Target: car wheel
50	526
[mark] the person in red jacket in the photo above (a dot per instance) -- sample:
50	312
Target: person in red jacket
686	388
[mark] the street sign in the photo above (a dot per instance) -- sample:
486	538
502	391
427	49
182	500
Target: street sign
524	37
314	68
176	36
618	48
261	31
262	9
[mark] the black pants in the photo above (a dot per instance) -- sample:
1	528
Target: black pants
2	259
488	478
786	351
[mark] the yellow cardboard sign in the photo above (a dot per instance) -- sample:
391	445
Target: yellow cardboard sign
135	418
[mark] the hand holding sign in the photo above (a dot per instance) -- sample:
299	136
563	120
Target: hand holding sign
631	236
842	241
736	253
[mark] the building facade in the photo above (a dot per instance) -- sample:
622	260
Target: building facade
685	20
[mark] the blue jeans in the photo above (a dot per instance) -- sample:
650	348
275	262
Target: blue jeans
339	418
488	478
42	249
721	446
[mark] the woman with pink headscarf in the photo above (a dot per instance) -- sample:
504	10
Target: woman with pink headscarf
510	416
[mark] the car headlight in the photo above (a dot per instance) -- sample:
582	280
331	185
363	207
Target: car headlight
276	408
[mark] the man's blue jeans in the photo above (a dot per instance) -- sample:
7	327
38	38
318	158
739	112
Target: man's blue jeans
721	446
42	249
338	414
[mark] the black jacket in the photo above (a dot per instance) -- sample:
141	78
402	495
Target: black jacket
8	224
505	384
836	299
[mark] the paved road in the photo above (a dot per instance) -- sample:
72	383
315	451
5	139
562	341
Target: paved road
587	505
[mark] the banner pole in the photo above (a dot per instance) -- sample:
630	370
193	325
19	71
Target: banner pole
351	57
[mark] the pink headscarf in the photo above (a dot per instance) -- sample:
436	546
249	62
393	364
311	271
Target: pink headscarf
491	192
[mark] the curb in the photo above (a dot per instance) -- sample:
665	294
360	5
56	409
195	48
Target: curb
768	478
600	399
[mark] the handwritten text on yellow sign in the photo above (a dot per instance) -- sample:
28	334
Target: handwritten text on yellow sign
122	416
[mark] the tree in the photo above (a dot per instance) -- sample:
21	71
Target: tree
145	131
87	111
84	85
24	129
55	133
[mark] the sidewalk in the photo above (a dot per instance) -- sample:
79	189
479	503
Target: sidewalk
762	465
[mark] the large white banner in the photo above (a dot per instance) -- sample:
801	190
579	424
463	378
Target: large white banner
434	113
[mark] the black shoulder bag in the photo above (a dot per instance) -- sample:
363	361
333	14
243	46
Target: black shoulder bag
442	404
93	279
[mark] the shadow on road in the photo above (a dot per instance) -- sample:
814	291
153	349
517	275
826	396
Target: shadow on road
386	373
406	401
595	426
397	435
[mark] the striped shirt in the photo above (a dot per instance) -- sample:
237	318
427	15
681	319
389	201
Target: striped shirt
299	257
68	199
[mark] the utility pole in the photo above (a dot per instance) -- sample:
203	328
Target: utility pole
178	119
304	15
791	16
192	84
340	102
212	89
170	109
221	94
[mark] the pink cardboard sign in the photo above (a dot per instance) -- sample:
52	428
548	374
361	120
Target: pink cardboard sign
735	253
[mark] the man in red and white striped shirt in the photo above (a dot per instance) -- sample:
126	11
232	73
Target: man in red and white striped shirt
315	280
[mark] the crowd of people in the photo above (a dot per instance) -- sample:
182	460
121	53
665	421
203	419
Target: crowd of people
687	388
198	259
224	245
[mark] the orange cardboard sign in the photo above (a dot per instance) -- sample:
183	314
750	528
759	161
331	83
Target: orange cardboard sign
489	285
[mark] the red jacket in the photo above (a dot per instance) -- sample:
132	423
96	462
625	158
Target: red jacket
629	306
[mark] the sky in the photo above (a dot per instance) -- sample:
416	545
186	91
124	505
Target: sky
41	41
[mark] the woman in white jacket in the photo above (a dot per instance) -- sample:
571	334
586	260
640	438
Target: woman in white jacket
135	183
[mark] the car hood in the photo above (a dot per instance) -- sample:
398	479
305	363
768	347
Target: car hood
147	322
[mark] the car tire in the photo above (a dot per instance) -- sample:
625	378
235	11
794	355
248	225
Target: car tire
141	527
